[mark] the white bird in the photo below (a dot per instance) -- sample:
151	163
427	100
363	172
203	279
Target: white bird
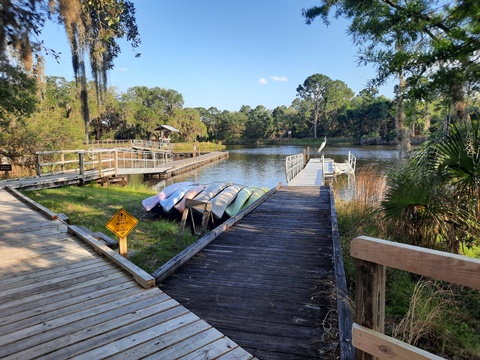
322	145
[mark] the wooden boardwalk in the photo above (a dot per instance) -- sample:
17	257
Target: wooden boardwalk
268	282
60	299
57	180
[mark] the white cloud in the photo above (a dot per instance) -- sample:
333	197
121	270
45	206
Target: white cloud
262	81
279	78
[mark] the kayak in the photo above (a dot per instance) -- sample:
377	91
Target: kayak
242	196
223	199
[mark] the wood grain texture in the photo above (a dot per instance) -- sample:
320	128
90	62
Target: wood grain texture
385	347
263	283
60	299
457	269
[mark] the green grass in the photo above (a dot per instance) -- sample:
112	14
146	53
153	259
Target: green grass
201	146
153	240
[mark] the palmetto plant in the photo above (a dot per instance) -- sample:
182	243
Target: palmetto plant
433	201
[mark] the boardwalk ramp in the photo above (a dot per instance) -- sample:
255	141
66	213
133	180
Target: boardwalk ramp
59	299
266	282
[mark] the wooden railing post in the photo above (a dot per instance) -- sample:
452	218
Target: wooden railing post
370	299
39	171
100	162
115	161
81	164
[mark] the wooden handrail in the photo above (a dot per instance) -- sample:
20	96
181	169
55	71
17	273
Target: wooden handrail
457	269
373	256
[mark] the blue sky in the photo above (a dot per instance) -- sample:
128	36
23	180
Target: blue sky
228	54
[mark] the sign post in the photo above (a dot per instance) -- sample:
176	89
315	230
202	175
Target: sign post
121	224
6	168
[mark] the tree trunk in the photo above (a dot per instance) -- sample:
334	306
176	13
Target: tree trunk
426	126
402	133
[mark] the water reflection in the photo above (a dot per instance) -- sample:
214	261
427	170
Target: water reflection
264	166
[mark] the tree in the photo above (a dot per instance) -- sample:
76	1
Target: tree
146	108
325	96
415	40
92	27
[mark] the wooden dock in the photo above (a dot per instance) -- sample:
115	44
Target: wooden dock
75	178
268	283
60	299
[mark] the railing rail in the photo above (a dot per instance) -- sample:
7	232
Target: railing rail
293	165
112	161
373	256
351	161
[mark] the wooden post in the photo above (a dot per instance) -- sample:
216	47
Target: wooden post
62	157
38	165
370	299
115	161
81	164
100	162
308	153
304	158
122	246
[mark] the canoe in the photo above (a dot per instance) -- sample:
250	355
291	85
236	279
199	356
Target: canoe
168	203
180	206
223	199
210	191
152	201
256	194
242	196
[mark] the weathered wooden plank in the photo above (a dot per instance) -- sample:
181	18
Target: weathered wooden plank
145	279
11	283
170	266
122	344
236	354
259	282
458	269
36	206
212	350
102	334
343	307
41	312
185	345
164	342
38	286
383	347
14	341
80	287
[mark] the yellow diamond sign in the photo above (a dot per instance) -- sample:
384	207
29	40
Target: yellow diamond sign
121	223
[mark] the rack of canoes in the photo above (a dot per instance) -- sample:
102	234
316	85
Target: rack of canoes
226	199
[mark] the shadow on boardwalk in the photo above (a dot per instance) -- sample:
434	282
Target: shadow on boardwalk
265	283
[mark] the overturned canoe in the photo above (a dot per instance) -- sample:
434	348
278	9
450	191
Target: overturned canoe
152	201
168	203
242	196
223	199
256	194
180	206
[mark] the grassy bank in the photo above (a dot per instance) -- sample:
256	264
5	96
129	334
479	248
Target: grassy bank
439	317
200	146
152	242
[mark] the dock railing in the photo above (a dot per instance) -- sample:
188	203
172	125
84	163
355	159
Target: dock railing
373	256
293	165
351	161
103	161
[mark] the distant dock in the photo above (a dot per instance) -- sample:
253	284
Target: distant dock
317	171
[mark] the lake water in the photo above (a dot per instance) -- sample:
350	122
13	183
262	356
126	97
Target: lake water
264	166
